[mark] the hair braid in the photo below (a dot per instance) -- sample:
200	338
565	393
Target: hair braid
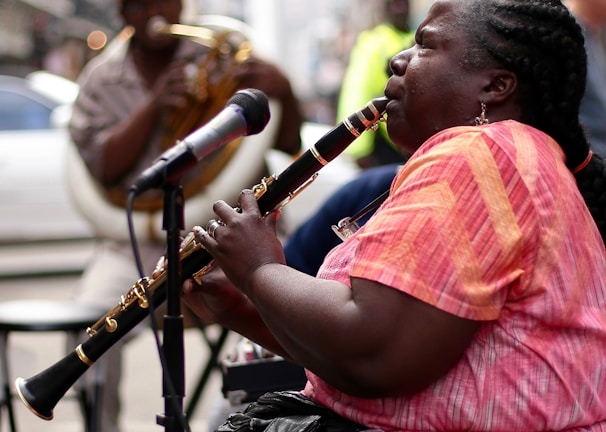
542	43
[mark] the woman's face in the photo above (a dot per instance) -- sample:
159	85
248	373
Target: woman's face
430	89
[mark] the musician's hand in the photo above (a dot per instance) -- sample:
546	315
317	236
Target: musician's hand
159	268
171	88
215	299
267	77
244	242
259	74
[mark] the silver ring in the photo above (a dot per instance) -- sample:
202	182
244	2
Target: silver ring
212	227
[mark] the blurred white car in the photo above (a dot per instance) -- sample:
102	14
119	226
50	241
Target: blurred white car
34	200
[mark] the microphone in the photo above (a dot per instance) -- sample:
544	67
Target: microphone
246	113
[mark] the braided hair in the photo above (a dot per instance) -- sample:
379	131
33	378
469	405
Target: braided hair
542	43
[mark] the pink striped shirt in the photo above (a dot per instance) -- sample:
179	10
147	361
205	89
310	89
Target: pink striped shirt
487	223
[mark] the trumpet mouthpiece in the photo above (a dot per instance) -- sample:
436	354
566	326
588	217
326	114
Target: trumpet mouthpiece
156	26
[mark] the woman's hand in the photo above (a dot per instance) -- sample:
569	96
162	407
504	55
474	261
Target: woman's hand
213	298
243	241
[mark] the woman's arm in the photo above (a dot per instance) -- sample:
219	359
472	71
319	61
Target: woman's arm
369	340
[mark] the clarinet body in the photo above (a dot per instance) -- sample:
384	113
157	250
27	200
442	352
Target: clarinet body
42	392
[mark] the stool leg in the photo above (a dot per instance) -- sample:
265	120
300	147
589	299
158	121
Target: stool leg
6	380
212	363
90	400
89	396
95	407
85	406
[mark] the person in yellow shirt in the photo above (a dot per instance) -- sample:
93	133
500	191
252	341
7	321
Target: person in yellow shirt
366	76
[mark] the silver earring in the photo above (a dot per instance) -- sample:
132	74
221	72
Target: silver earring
482	120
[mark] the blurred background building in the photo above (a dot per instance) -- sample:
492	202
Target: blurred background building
311	38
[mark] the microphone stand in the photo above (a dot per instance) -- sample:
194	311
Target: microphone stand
173	346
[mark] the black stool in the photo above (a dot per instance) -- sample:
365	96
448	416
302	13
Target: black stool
215	345
44	316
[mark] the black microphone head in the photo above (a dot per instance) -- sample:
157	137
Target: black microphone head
255	107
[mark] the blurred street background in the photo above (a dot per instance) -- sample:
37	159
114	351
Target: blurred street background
311	38
45	243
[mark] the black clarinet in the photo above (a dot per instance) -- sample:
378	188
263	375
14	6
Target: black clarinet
43	391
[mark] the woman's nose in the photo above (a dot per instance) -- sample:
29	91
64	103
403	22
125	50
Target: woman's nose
398	63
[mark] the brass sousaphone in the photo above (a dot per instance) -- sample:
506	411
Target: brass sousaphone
223	174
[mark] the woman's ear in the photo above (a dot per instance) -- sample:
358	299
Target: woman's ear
502	85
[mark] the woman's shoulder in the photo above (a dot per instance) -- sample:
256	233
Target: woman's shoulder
503	134
506	145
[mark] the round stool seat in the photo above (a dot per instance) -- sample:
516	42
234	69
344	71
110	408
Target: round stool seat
47	315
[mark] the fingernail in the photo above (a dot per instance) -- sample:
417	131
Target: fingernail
159	264
199	231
